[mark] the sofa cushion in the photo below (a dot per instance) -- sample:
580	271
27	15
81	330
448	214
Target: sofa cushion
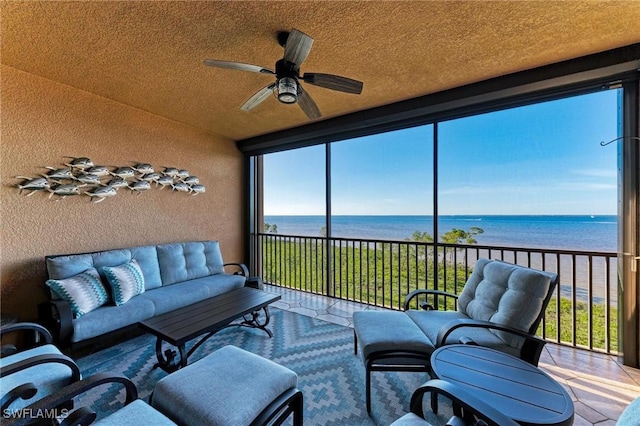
110	258
84	292
126	281
221	283
109	318
62	267
147	258
169	298
187	261
504	294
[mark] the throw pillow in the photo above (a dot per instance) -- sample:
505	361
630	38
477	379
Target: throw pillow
125	280
84	292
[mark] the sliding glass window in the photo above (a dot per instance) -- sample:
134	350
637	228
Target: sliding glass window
382	185
294	210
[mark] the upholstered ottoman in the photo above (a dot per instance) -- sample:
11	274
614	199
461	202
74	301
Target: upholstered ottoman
390	341
230	387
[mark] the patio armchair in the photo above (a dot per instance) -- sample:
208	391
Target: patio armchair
35	372
510	306
501	307
133	412
468	410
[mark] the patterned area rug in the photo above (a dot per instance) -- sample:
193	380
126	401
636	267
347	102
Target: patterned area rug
330	376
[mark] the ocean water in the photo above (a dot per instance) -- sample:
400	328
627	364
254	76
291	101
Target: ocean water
590	233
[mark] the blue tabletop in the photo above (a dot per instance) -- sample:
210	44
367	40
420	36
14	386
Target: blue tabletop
516	388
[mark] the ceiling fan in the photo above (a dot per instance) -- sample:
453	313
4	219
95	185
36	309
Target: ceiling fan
287	87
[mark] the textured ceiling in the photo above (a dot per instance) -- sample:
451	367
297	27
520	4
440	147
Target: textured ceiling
150	54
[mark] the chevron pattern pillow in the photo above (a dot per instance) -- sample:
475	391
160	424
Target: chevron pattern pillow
84	292
125	280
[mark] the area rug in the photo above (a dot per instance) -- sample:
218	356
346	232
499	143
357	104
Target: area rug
330	376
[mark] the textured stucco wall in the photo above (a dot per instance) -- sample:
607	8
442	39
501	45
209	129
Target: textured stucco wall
42	122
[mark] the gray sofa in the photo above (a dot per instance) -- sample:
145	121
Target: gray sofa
88	299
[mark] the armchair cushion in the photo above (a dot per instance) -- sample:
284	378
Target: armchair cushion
84	292
47	377
388	331
432	322
631	414
239	385
137	413
411	419
504	294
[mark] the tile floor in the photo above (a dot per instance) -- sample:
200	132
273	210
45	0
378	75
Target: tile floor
601	387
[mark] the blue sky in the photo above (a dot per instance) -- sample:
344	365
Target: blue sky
539	159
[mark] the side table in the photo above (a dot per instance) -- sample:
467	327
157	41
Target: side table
512	386
254	282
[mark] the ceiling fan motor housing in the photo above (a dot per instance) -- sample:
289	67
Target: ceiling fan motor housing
287	75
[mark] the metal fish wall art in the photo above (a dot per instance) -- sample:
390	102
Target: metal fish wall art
32	184
80	176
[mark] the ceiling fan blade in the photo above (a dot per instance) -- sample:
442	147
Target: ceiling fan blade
258	97
297	47
307	104
334	82
237	66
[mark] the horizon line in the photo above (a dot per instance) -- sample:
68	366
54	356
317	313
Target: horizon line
467	215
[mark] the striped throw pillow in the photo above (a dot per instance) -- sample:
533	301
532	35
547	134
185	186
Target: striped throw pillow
84	292
125	280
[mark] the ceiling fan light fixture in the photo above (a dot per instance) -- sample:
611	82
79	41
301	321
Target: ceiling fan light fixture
287	90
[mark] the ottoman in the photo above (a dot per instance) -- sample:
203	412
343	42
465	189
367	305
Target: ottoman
230	387
390	341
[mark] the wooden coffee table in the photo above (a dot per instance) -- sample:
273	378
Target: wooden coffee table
207	316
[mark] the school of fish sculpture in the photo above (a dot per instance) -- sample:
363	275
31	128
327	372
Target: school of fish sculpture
164	181
88	179
197	189
181	187
58	174
117	182
79	176
97	170
124	172
79	163
170	171
32	184
63	190
191	180
143	168
101	193
139	186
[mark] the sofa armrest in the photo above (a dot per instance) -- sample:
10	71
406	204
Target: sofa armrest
531	349
244	271
69	392
56	316
424	291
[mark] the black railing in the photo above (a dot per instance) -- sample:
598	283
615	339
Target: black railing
583	312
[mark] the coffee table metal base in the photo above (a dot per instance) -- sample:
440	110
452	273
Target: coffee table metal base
167	359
